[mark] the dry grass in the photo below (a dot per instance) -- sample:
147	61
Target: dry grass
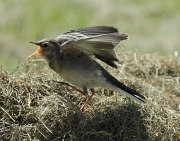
32	107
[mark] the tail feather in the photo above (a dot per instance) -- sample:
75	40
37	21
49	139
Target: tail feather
130	92
122	88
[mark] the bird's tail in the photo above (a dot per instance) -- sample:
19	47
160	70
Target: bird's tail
122	88
129	92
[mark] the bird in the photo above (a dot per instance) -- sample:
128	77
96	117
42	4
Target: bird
72	55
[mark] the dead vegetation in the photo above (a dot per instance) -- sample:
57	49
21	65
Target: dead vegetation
33	107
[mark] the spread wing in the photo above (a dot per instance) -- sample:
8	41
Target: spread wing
99	41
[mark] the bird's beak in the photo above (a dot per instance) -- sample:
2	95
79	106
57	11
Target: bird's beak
39	50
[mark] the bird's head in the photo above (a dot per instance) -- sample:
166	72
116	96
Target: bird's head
47	48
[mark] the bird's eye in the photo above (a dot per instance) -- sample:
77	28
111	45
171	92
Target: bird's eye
45	45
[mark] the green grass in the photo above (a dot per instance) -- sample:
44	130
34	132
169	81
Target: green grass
33	107
153	26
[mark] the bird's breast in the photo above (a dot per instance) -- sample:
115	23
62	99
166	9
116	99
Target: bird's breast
79	71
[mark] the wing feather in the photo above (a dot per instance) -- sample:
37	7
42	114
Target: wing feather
99	41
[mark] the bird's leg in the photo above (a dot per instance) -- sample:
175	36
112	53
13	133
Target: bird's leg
73	87
87	101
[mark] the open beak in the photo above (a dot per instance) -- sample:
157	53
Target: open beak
38	52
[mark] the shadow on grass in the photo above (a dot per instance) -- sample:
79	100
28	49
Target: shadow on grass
124	122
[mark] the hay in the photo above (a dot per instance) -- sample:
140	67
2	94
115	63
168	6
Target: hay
32	107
